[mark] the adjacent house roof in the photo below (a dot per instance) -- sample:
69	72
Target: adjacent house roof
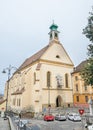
2	101
33	58
1	95
80	66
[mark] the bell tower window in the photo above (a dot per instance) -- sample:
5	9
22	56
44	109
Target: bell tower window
50	35
56	35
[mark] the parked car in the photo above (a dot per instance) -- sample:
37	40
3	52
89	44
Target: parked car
49	117
74	117
60	117
22	122
89	127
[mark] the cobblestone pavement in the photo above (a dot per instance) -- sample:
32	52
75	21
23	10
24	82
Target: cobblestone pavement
4	124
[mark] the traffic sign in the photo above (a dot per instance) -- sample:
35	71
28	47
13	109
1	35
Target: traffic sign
81	111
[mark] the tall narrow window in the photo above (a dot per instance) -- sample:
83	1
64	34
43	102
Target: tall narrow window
76	78
85	87
66	80
76	87
86	98
19	102
77	98
48	78
34	77
14	101
56	35
51	36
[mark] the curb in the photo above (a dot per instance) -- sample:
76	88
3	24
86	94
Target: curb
11	124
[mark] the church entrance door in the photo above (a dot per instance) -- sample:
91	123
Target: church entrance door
58	101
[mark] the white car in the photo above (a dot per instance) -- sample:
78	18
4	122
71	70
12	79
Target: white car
74	117
89	127
60	117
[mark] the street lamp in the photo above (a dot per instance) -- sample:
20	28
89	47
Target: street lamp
8	70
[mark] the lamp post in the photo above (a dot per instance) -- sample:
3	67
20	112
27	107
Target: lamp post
48	96
90	102
49	106
8	71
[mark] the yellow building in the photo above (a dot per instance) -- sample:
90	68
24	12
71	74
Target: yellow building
44	79
81	92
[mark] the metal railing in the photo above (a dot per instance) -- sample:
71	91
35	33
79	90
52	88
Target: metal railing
19	124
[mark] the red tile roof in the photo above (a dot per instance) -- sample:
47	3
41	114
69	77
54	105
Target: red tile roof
80	66
33	58
2	101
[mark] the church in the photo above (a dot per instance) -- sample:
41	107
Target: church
44	79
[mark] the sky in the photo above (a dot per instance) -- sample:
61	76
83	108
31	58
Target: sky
24	28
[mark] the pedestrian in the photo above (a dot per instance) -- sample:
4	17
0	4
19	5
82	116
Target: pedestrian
20	115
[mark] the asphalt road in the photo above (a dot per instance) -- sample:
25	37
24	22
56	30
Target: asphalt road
57	125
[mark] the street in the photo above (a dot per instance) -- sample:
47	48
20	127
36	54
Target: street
56	125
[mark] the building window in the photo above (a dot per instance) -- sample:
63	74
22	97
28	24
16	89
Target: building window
56	35
34	77
76	87
77	98
66	80
86	98
18	102
51	36
85	88
76	78
48	78
14	101
57	56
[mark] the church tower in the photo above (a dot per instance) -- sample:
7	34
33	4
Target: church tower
54	33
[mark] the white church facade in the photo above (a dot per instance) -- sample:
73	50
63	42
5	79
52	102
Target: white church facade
44	79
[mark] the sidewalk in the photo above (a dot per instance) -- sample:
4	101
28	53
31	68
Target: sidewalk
80	128
4	124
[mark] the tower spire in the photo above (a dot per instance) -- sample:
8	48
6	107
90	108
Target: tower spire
53	34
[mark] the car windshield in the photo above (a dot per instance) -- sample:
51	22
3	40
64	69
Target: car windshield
49	115
62	115
77	115
70	115
73	115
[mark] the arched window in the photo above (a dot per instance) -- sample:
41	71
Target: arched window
66	80
48	78
56	35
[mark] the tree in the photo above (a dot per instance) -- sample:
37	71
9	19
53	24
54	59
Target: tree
87	72
88	31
